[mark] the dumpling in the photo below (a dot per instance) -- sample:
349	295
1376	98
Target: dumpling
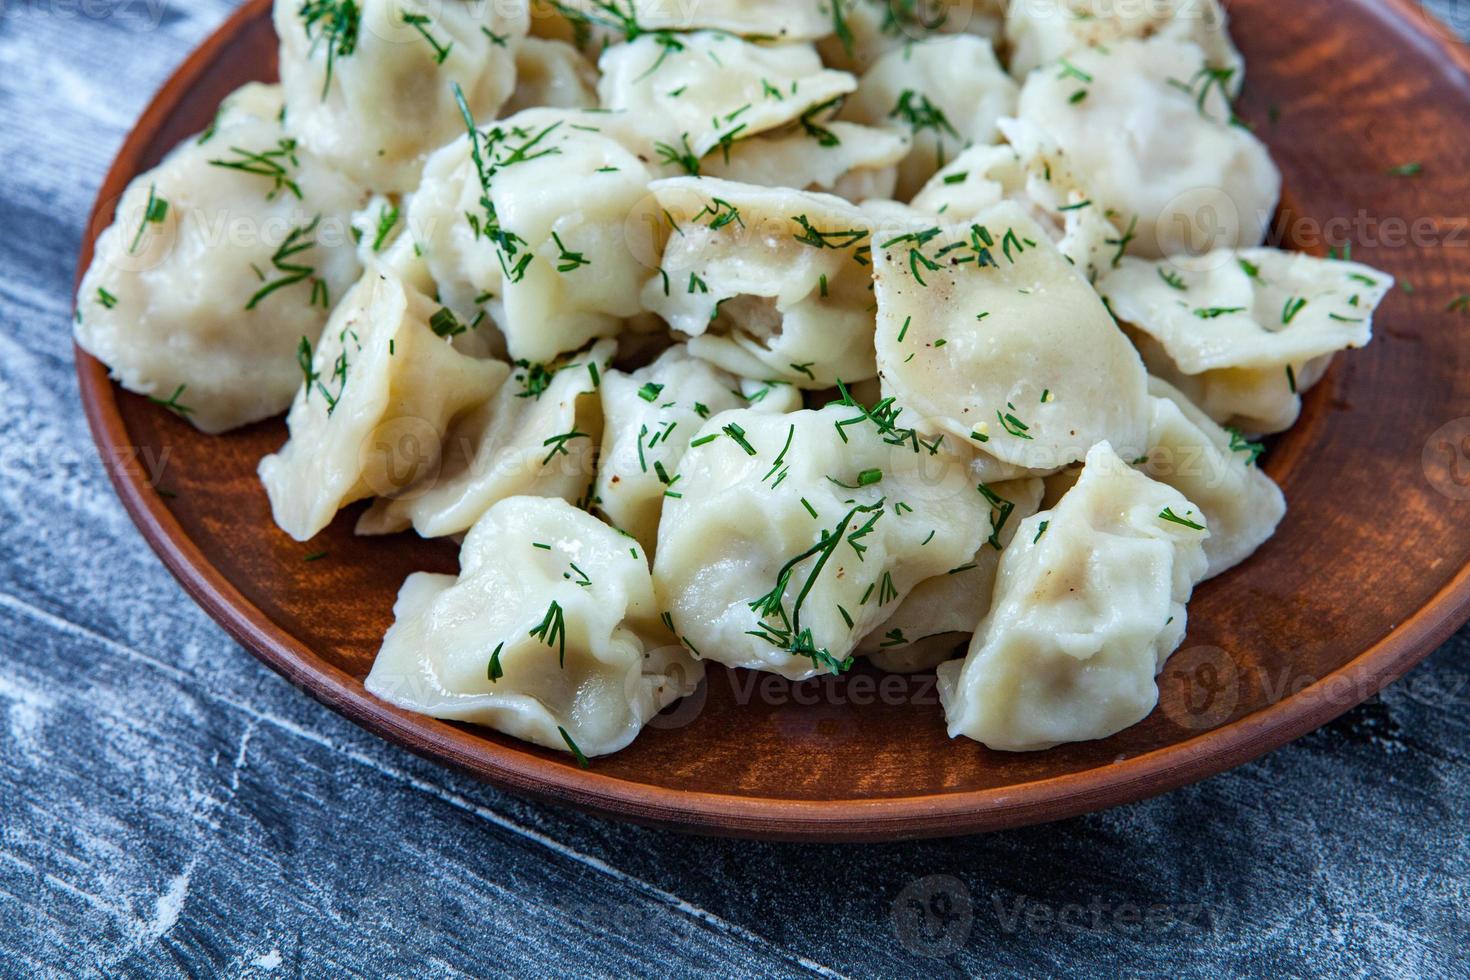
989	335
870	29
696	92
946	93
890	218
1149	124
1244	333
1043	33
597	22
384	242
551	74
461	264
788	538
941	612
776	397
1032	171
1089	604
549	634
1216	469
376	226
379	394
649	417
528	226
370	86
852	161
768	282
218	262
538	436
976	180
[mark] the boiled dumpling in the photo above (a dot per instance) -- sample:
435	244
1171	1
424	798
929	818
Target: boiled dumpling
376	226
768	282
594	23
1089	604
527	226
771	396
538	436
852	161
441	242
1242	334
706	90
1216	469
549	634
889	219
379	394
649	417
946	93
1151	128
942	611
790	537
975	181
872	28
989	335
1041	34
551	74
188	310
370	86
1032	171
384	242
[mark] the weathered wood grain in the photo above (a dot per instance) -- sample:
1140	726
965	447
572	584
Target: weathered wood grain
169	806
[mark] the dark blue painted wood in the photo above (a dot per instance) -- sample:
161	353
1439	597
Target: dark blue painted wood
168	805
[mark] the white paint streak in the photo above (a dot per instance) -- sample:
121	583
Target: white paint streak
239	766
268	961
170	904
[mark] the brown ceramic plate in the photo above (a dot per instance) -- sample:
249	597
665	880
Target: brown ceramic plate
1367	577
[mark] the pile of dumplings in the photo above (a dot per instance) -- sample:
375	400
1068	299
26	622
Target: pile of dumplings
777	335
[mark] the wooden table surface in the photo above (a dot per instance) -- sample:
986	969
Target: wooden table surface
168	805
